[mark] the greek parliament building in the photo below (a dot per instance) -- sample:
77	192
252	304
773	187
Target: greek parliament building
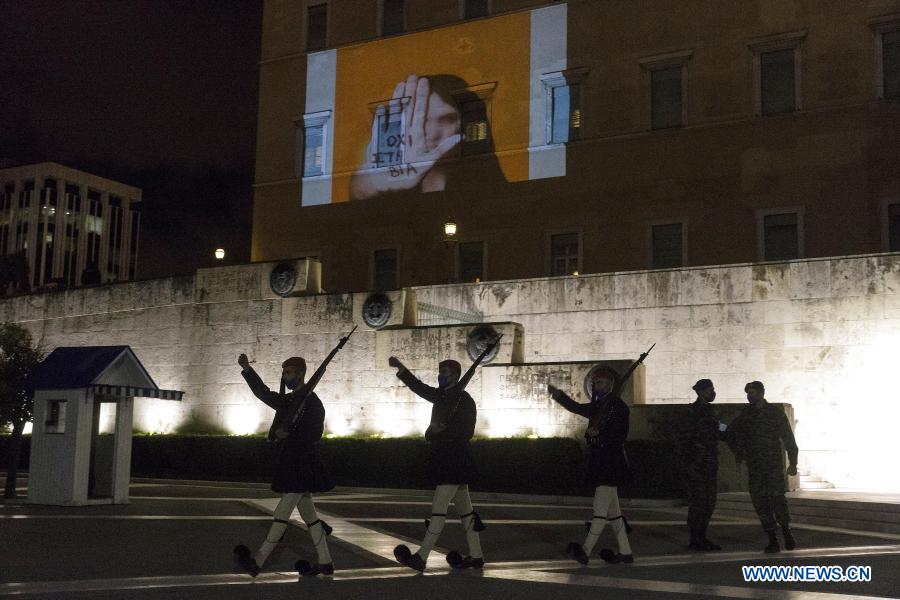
591	135
721	179
60	227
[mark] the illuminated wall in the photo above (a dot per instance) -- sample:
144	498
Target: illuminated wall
822	335
435	110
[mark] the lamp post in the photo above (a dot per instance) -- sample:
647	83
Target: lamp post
450	242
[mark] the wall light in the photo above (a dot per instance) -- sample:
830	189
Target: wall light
220	253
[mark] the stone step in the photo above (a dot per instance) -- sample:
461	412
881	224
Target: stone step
816	485
883	517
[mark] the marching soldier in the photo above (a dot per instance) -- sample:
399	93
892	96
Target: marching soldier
699	453
451	464
760	435
299	472
607	465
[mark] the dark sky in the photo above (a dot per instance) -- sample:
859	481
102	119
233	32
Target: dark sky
160	94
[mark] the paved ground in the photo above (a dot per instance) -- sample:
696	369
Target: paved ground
175	541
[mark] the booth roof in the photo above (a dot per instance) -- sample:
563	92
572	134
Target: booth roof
78	367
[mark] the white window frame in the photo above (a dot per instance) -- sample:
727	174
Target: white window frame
569	77
462	9
548	245
316	119
485	93
881	26
397	249
379	26
783	41
660	62
59	426
885	222
683	221
761	215
309	4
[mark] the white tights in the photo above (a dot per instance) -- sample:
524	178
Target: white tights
304	503
439	504
606	509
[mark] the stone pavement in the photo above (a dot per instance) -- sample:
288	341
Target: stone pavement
175	539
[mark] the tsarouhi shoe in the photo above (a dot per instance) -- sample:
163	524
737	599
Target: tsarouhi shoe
710	546
244	561
307	570
456	560
614	558
773	546
576	551
406	558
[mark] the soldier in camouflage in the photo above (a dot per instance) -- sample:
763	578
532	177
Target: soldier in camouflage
699	453
760	435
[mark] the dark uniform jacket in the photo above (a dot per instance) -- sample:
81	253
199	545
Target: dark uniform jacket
607	462
450	456
760	435
698	440
298	467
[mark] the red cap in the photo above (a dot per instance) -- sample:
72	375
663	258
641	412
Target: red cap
294	361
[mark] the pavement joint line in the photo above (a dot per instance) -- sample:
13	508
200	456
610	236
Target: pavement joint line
528	570
142	517
670	587
490	521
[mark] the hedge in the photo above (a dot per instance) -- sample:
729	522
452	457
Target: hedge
514	465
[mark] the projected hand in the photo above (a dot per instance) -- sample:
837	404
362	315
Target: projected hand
410	154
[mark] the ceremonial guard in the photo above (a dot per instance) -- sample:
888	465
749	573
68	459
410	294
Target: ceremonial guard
451	465
698	450
760	435
299	472
607	464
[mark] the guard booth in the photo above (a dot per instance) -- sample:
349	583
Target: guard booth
71	463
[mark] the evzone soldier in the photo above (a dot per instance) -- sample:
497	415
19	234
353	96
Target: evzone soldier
607	465
760	435
299	472
698	451
451	465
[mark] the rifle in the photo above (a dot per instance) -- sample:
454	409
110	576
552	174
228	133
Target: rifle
592	433
437	425
287	418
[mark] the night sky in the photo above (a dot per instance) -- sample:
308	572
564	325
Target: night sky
159	94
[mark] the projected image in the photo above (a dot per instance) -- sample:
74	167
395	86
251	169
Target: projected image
427	121
466	108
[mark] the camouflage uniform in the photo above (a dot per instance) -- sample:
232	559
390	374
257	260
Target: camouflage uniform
760	436
699	455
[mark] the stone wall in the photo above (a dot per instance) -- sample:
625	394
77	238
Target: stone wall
823	335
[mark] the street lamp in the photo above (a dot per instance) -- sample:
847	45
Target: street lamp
450	241
220	253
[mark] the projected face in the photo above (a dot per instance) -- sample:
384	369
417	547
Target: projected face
417	128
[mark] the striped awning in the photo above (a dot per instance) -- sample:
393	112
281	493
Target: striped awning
126	391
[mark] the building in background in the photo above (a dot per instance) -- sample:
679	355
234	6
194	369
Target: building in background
60	227
593	136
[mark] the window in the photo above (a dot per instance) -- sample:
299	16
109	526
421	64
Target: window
894	227
135	232
890	64
56	417
566	110
476	133
316	27
114	240
392	17
564	253
776	81
390	135
667	245
470	261
666	103
312	139
384	269
781	236
472	9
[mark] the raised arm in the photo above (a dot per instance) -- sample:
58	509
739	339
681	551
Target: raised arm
259	389
567	403
426	392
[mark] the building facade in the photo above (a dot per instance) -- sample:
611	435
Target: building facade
60	227
576	136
